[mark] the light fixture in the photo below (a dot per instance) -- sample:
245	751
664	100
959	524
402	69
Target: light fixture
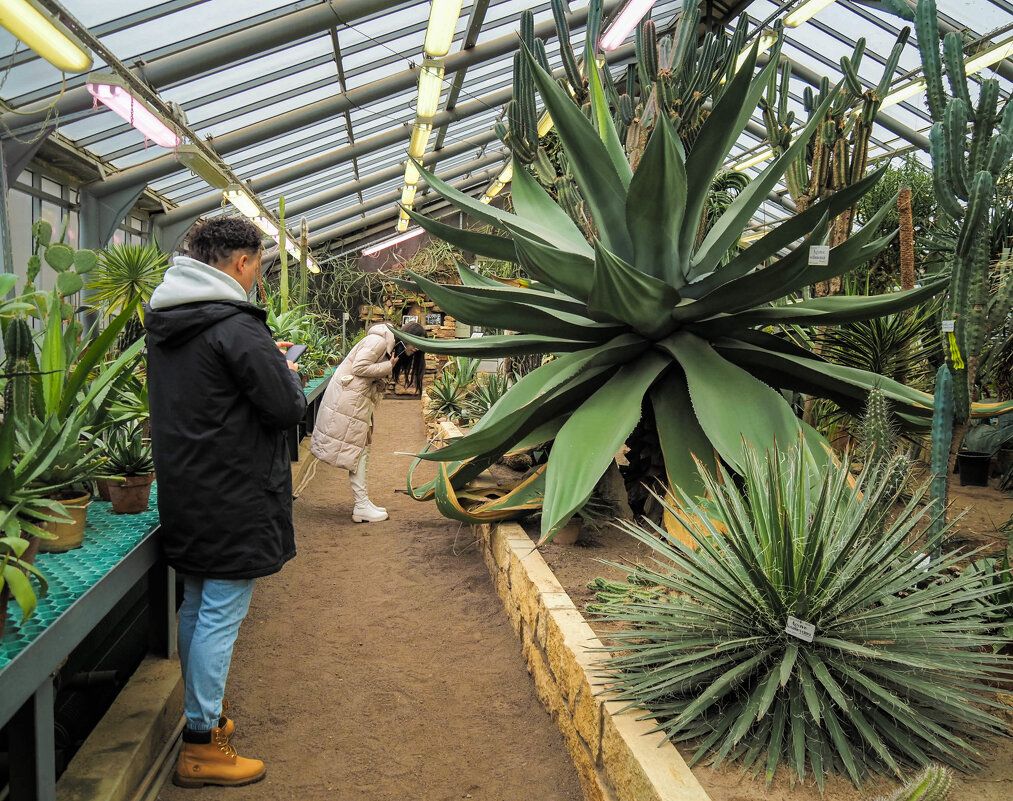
903	93
411	173
767	40
201	166
752	236
544	124
753	160
485	199
443	15
112	91
808	9
430	87
420	139
47	36
506	174
239	198
267	226
372	251
402	225
989	57
496	187
624	23
408	195
311	265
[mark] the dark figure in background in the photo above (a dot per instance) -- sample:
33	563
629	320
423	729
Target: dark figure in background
222	396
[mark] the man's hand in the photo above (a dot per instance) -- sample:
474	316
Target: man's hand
293	366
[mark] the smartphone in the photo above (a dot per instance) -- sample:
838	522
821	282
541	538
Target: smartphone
294	352
399	349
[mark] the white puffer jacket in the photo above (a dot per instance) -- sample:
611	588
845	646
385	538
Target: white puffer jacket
346	411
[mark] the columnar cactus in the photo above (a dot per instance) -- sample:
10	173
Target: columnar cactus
942	435
965	167
18	368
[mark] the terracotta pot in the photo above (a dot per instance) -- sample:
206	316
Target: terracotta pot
570	533
5	594
102	485
68	535
130	494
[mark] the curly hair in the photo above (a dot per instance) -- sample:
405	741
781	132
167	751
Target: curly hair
215	240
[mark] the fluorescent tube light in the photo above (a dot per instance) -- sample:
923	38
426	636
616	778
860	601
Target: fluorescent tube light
804	12
544	124
506	174
311	265
443	15
265	225
624	23
485	199
411	173
373	250
430	87
420	139
753	160
110	90
989	57
239	198
201	166
402	226
767	40
903	93
47	36
408	195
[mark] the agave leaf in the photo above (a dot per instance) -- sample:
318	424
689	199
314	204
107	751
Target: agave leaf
826	311
590	439
494	216
735	410
529	297
592	166
532	202
639	300
783	235
470	277
681	438
495	247
655	206
491	347
606	128
480	309
53	361
565	271
717	135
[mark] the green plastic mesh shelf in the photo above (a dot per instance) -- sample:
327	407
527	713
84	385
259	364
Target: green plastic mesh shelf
108	538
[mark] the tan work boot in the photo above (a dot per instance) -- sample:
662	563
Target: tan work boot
214	762
226	724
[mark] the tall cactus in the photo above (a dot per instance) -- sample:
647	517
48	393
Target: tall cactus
966	167
18	369
942	436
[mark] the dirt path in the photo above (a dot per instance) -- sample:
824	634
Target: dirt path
379	664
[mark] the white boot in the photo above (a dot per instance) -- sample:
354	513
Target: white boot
364	511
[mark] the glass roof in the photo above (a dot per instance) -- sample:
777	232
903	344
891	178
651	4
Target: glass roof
370	56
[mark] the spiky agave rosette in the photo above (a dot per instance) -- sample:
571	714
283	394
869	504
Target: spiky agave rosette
898	668
643	314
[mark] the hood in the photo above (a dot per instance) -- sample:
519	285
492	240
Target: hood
383	330
190	281
192	297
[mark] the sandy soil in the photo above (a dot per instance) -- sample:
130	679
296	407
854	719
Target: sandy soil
379	664
985	509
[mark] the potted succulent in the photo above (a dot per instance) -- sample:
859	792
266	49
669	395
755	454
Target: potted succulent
980	444
129	468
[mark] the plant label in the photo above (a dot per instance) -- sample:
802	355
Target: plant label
819	255
801	629
949	326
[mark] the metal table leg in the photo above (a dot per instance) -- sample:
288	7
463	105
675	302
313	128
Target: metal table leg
33	748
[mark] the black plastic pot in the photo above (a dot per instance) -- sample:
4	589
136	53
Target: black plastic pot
973	468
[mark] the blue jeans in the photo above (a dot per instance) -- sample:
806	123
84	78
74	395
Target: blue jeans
209	621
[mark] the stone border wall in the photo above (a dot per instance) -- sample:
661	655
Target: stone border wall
615	757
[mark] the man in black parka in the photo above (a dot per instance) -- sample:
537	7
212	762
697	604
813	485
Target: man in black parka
222	396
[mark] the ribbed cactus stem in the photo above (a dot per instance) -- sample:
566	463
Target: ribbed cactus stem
942	438
984	124
19	350
955	136
878	437
932	784
927	28
565	49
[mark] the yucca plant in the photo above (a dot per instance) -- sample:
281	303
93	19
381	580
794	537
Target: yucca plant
446	396
642	314
484	392
807	629
126	273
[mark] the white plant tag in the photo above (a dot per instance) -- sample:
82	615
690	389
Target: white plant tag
949	326
801	629
819	255
923	561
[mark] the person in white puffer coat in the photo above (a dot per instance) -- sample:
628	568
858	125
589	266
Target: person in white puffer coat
343	429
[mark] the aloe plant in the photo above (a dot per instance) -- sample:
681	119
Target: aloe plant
805	629
643	314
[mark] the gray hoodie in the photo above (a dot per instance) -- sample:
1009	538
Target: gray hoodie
191	281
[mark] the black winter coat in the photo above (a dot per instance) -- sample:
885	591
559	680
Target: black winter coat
221	398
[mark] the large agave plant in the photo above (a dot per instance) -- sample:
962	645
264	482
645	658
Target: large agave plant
895	671
642	313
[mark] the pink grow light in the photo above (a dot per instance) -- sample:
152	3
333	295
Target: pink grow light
135	112
628	19
397	240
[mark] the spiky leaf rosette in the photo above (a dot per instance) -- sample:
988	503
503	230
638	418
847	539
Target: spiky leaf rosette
645	314
898	670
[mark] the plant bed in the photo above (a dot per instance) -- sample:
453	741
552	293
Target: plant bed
574	566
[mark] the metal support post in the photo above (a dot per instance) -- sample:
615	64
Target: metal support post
33	747
162	610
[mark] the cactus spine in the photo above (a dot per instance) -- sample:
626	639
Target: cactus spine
20	349
932	784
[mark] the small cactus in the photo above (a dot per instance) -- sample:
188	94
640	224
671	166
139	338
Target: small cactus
932	784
